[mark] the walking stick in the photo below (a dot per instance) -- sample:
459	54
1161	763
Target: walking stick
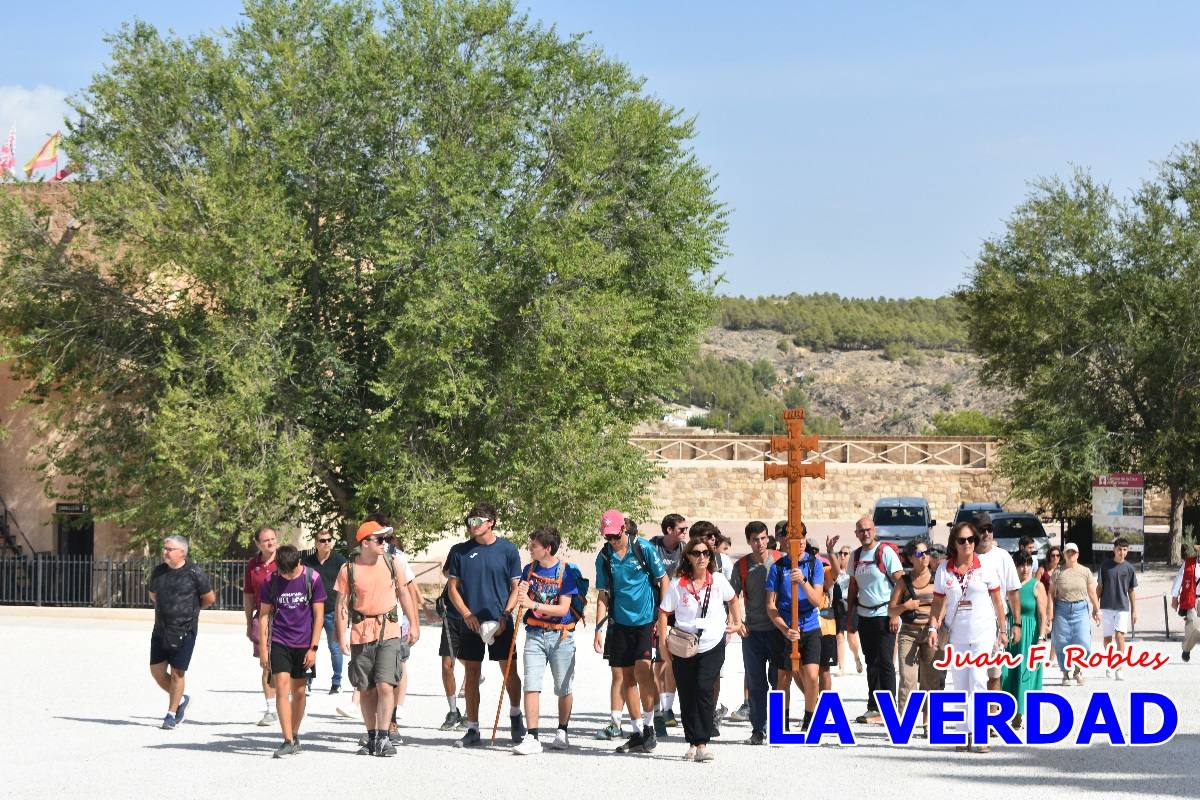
512	651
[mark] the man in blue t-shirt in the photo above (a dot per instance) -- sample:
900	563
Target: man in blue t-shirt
870	591
809	573
630	583
548	586
484	574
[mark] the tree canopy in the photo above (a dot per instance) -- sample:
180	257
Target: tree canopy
1088	308
347	258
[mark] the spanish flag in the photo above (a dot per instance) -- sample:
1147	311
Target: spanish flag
46	157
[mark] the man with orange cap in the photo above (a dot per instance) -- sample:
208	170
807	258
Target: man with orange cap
368	587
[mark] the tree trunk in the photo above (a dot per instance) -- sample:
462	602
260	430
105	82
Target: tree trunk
1177	500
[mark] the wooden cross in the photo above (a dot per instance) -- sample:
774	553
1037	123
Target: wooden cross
797	445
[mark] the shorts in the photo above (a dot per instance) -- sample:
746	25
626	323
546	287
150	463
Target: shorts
290	660
377	662
255	632
829	657
546	646
810	648
629	644
466	645
180	659
1113	621
444	643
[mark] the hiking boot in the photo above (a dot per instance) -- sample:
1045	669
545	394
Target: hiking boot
284	750
384	747
470	739
453	720
660	725
169	722
671	721
634	744
268	718
742	714
758	737
516	728
561	742
649	740
528	746
610	731
183	704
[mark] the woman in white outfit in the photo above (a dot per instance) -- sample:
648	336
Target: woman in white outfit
966	603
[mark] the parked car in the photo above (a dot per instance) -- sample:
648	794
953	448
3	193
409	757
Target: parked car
1009	526
901	519
968	510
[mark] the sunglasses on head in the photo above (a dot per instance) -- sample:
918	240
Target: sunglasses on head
967	539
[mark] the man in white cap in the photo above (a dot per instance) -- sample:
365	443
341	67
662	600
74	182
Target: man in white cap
484	575
630	579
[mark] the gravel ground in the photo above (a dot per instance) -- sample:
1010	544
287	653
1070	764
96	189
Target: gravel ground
93	728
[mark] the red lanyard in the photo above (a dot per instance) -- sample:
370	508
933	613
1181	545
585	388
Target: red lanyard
688	584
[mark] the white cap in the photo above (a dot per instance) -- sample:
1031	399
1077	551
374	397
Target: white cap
488	630
1070	546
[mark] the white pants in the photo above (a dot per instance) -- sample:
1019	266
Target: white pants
970	679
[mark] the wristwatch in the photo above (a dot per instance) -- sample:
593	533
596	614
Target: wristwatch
314	648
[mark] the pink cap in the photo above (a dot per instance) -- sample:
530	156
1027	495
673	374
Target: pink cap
612	522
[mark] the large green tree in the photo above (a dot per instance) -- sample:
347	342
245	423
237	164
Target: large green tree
1088	308
348	257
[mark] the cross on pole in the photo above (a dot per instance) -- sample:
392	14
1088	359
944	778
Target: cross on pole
796	445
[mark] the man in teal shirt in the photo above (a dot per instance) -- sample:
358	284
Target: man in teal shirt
630	578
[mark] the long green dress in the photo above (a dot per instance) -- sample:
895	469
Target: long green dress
1020	680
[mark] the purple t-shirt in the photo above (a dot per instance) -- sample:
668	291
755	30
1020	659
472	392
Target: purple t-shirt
293	625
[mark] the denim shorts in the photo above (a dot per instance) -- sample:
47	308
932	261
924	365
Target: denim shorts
542	646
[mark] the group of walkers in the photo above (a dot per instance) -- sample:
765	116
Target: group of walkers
665	609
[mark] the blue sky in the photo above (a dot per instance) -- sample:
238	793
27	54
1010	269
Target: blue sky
865	149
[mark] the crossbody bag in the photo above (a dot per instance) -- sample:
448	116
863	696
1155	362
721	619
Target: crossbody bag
682	644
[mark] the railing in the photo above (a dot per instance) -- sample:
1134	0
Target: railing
926	451
8	522
103	583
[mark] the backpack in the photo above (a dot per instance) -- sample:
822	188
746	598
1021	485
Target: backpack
743	565
879	548
355	615
578	600
636	547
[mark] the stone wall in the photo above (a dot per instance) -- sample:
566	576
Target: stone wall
734	490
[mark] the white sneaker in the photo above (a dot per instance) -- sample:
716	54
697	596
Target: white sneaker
560	740
268	718
1117	675
353	713
1108	673
527	747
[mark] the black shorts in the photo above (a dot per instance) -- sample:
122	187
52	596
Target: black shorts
444	644
180	659
627	645
290	660
829	651
464	644
810	648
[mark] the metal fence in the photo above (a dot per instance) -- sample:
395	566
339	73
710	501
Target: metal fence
49	580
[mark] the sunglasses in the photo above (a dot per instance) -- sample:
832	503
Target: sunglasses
844	554
986	529
921	554
700	554
378	539
475	522
324	541
967	540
